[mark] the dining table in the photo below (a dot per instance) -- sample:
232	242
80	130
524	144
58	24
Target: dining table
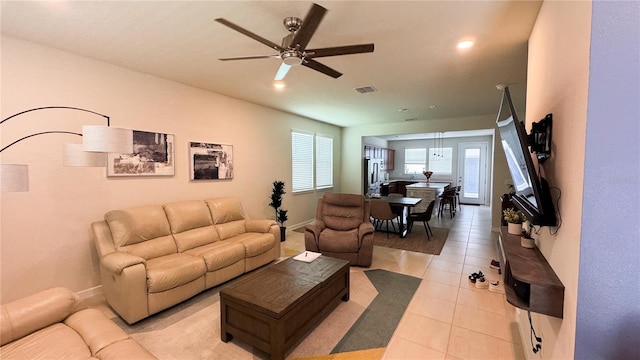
407	203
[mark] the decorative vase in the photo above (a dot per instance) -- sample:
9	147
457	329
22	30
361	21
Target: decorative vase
526	242
283	233
514	229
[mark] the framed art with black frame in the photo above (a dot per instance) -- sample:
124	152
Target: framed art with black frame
210	161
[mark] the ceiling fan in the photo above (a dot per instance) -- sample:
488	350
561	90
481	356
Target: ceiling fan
293	50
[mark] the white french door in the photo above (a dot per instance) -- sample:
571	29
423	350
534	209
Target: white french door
472	172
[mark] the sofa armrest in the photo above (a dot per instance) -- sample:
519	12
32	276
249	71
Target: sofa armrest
259	226
117	261
34	312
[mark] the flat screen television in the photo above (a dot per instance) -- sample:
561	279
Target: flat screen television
532	195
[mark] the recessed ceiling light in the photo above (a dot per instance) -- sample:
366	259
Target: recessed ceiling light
465	44
403	110
279	85
432	107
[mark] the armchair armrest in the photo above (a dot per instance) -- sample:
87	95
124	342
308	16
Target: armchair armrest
365	228
315	227
259	226
118	261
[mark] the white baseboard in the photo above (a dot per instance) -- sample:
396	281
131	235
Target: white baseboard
298	225
84	294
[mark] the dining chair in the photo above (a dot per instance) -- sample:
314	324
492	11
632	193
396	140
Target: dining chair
448	197
397	209
381	212
424	217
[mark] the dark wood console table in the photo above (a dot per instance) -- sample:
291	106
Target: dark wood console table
527	269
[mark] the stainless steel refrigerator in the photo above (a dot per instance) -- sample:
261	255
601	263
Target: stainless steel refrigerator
372	176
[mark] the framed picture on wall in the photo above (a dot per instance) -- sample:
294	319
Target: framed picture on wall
210	161
153	155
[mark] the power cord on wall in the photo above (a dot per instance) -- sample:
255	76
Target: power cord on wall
558	210
537	347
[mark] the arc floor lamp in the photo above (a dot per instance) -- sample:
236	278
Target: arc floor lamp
97	140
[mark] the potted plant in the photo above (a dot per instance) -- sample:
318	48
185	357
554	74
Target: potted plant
514	219
276	203
526	241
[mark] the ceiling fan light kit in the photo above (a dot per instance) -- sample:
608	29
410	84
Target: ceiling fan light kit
293	51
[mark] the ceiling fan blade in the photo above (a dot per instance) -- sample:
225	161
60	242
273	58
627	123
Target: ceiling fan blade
251	57
339	50
282	71
312	64
250	34
309	26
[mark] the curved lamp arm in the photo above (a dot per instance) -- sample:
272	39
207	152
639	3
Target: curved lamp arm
56	107
97	139
36	134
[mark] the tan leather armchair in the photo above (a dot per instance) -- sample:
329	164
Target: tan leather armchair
342	229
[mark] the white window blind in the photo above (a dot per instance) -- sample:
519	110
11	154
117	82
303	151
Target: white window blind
415	160
441	160
301	162
324	162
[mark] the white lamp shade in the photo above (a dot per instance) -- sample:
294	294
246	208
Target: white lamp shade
14	177
107	139
74	155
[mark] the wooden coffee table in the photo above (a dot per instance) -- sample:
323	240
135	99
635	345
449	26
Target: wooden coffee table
273	307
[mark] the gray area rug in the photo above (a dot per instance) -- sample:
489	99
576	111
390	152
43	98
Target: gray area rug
416	240
376	325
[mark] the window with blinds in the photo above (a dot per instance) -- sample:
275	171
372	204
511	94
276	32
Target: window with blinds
301	162
415	160
324	162
311	162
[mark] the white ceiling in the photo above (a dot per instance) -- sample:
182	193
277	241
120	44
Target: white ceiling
415	63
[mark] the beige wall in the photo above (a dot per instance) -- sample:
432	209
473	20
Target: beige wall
45	237
558	82
353	149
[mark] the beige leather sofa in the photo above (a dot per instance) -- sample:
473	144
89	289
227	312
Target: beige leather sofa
153	257
55	324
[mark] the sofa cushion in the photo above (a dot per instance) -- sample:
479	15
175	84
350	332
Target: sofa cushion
191	224
255	243
230	229
170	271
339	241
57	341
95	329
225	209
220	254
143	231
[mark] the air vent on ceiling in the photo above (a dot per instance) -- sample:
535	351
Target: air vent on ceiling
366	89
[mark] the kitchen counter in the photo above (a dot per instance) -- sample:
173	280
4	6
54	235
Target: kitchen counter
428	185
427	191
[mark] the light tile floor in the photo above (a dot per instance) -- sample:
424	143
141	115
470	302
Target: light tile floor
448	317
